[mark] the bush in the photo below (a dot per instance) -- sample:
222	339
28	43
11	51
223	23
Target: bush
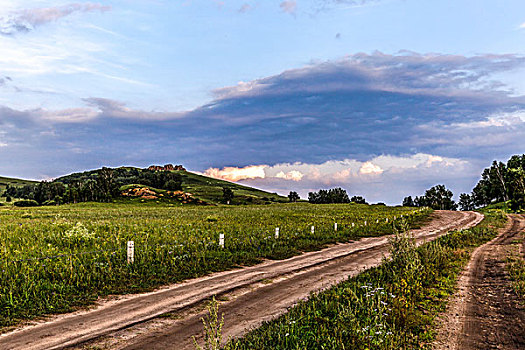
26	203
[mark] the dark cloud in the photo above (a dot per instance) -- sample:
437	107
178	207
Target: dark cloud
27	20
358	108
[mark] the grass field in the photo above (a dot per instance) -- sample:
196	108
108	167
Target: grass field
53	259
392	306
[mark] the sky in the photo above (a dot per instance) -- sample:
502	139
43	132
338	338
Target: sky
384	98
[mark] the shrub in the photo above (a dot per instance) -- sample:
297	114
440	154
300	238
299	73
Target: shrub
26	203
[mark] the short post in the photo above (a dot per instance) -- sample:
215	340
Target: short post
335	226
313	229
276	232
365	222
377	221
353	225
221	240
131	252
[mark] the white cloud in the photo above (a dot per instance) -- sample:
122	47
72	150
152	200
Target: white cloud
289	6
26	20
237	174
334	172
522	26
293	175
370	168
509	119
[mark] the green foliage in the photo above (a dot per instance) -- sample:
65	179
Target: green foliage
358	200
227	195
466	202
392	306
502	183
26	203
437	197
333	195
293	196
408	202
55	258
213	324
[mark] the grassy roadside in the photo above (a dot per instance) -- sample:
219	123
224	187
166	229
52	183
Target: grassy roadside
516	268
392	306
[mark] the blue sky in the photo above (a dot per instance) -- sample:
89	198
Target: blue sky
382	97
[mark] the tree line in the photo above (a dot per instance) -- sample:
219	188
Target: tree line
501	182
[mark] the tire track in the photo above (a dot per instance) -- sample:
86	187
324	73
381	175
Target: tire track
485	312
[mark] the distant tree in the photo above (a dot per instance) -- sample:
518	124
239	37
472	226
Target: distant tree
106	187
173	185
227	195
408	202
466	202
334	195
293	196
420	201
8	198
439	197
358	200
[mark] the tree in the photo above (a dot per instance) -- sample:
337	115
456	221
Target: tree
358	200
408	202
8	198
466	202
227	195
440	198
334	195
172	185
293	196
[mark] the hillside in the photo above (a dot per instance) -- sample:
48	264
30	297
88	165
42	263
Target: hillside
4	181
203	188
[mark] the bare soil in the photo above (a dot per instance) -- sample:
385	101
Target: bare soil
486	313
169	317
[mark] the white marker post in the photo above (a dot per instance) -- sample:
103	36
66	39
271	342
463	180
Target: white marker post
353	225
365	222
335	226
221	240
276	232
131	252
313	229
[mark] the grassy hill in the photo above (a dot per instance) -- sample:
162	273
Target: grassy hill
210	190
201	187
4	181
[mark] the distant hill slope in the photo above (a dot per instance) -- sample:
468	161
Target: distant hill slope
204	188
4	181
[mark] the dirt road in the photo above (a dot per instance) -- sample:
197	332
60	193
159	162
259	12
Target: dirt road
252	295
486	313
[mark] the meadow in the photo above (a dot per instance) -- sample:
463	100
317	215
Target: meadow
55	259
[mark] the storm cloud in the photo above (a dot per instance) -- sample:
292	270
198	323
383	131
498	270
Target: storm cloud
369	110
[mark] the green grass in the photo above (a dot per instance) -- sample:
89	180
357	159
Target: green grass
516	268
392	306
172	243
